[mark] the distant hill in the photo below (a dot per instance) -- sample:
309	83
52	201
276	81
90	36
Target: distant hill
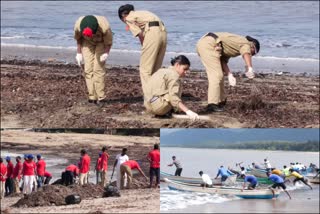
232	138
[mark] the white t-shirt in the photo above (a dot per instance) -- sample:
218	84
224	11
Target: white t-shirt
267	164
206	179
121	159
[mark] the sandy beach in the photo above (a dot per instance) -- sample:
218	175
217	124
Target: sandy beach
49	94
67	145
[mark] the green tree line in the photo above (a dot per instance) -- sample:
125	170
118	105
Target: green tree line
286	146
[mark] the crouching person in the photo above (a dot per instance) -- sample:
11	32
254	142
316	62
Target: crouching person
164	89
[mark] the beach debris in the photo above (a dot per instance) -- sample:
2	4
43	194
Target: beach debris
73	199
111	191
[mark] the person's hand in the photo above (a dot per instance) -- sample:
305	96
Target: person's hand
250	73
232	80
192	115
104	57
79	59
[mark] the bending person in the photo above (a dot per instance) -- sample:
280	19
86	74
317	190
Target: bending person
215	50
164	89
94	41
153	38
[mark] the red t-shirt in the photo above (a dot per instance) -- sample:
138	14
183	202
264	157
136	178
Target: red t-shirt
47	174
16	170
98	168
73	168
132	164
9	169
3	171
41	166
104	161
85	164
28	168
154	156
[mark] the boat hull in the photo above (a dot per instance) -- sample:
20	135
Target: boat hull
245	194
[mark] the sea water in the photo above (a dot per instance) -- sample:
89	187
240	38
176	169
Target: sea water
288	31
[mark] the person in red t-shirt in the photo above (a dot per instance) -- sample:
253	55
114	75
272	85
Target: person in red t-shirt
154	159
9	181
84	167
29	173
98	168
104	165
17	172
126	169
3	177
41	168
48	177
69	174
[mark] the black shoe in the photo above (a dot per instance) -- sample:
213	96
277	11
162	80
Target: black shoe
102	101
92	101
214	108
222	103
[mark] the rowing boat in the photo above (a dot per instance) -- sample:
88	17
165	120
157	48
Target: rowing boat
199	180
245	194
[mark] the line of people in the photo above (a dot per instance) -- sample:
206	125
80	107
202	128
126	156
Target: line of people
161	87
32	174
122	165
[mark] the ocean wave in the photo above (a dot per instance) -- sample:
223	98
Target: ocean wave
169	53
171	199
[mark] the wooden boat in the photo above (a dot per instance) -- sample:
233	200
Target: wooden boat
189	180
245	194
199	180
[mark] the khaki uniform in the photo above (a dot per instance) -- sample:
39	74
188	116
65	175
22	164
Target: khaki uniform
212	51
92	49
166	85
154	43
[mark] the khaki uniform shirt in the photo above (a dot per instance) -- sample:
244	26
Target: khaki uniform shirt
137	21
233	45
165	81
103	34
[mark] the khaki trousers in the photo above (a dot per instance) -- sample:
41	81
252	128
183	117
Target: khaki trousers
16	185
83	178
104	178
2	189
210	57
161	106
125	170
152	53
94	70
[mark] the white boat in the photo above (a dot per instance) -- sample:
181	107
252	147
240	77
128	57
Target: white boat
230	180
245	194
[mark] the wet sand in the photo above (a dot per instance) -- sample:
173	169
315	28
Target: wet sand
53	95
68	145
